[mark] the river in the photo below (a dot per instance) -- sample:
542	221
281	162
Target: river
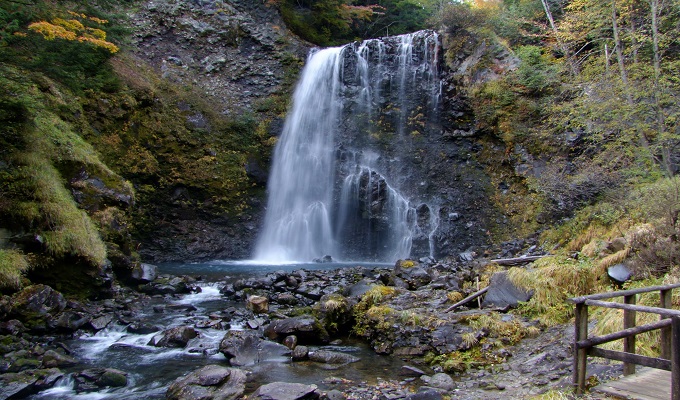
151	369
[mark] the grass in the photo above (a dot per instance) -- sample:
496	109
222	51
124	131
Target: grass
68	229
45	153
12	264
554	280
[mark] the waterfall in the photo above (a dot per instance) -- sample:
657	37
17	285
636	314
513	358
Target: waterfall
336	186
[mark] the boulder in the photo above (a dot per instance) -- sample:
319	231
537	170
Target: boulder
358	289
332	357
408	370
178	336
170	285
96	378
503	293
439	381
24	384
209	382
411	273
300	353
71	321
35	305
258	304
336	312
144	273
290	341
101	322
141	328
323	260
619	273
53	359
307	329
285	391
247	348
12	327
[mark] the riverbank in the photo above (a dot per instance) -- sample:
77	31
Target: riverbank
310	329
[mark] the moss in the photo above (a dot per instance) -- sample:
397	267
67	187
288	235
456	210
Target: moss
489	333
372	318
41	162
13	264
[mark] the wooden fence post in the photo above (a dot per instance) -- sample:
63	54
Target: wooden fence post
666	302
580	355
675	359
629	342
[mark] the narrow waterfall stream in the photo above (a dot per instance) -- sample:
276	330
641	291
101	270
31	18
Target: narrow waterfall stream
339	184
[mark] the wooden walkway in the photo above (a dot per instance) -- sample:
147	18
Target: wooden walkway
645	384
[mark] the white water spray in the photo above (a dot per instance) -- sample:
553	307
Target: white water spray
320	205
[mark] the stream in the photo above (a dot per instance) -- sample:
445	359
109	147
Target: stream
151	369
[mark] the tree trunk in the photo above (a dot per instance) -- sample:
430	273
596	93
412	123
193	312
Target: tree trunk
666	161
619	54
572	67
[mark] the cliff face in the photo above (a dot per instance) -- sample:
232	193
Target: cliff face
239	55
236	51
201	180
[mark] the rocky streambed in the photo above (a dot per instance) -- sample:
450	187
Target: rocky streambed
360	332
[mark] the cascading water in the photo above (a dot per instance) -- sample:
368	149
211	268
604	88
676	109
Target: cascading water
297	225
338	184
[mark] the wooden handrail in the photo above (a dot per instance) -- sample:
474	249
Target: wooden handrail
669	324
596	341
666	312
620	293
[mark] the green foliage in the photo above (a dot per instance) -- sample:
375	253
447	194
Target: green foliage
535	72
79	65
489	333
152	142
12	264
371	317
71	230
333	22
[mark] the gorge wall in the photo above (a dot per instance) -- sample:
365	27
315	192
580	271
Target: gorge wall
241	55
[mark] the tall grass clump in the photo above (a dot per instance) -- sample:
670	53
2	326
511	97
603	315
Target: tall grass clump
554	280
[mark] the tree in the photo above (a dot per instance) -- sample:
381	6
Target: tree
74	30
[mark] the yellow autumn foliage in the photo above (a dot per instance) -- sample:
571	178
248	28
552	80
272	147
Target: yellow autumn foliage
73	30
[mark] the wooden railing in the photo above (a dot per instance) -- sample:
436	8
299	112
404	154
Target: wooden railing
669	324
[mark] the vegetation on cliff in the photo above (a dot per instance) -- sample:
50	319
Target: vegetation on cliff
334	22
81	126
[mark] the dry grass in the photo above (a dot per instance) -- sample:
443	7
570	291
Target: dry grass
454	296
613	259
377	294
554	280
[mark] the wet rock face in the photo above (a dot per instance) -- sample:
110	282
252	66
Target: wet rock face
285	391
209	382
247	348
174	337
402	133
